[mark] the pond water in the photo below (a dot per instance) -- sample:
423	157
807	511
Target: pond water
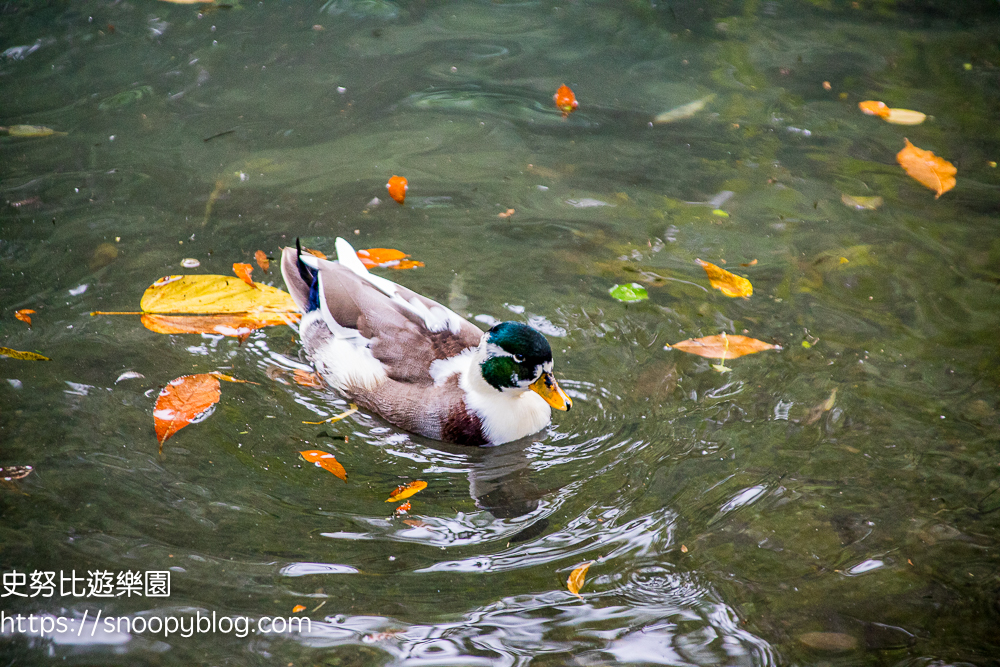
833	502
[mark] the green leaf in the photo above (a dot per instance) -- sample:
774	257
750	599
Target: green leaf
631	293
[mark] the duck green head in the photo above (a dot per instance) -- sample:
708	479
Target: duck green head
519	357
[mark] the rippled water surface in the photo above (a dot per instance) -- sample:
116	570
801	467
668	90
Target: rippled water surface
833	502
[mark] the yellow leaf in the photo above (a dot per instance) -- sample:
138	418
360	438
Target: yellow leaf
31	131
325	460
683	111
404	491
214	295
927	169
723	346
576	579
729	283
23	356
905	117
861	203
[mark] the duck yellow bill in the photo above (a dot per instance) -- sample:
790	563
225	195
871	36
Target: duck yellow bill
547	387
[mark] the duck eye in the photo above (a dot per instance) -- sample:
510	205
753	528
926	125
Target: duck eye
519	358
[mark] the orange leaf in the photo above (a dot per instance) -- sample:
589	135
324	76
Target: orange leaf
243	272
397	187
576	579
729	283
565	100
24	315
297	608
262	261
386	258
314	253
183	401
325	460
405	507
506	214
874	108
237	325
306	379
927	169
723	346
404	491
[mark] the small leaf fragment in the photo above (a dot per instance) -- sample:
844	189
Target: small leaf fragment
182	401
306	379
386	258
23	356
397	187
404	491
297	608
24	315
576	579
905	117
723	346
11	473
728	283
874	108
632	293
243	272
861	203
325	460
927	169
262	261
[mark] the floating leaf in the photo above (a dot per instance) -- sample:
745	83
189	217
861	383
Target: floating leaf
632	293
24	315
297	608
874	108
30	131
386	258
506	214
314	253
729	283
576	579
262	261
243	272
828	641
927	169
397	187
404	491
307	379
23	356
861	203
684	111
565	100
182	401
325	460
214	295
723	346
11	473
905	117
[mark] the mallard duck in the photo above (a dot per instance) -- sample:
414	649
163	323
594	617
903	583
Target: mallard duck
416	363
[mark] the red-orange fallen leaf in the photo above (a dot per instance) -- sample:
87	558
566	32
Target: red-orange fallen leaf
386	258
565	100
729	283
262	261
752	262
397	187
297	608
325	460
306	379
927	169
243	272
405	507
405	491
874	108
314	253
182	401
576	578
237	325
24	315
723	346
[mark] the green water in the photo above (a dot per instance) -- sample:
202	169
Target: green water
737	518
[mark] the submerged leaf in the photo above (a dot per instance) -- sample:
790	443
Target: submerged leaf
182	401
262	261
210	294
861	203
325	460
23	356
684	111
927	169
728	283
404	491
723	346
31	131
632	293
577	577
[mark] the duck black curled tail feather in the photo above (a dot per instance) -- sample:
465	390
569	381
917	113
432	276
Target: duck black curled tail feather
309	276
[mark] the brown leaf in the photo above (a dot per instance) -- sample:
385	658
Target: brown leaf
24	315
723	346
404	491
325	460
243	272
182	401
576	578
927	169
306	379
729	283
262	261
11	473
